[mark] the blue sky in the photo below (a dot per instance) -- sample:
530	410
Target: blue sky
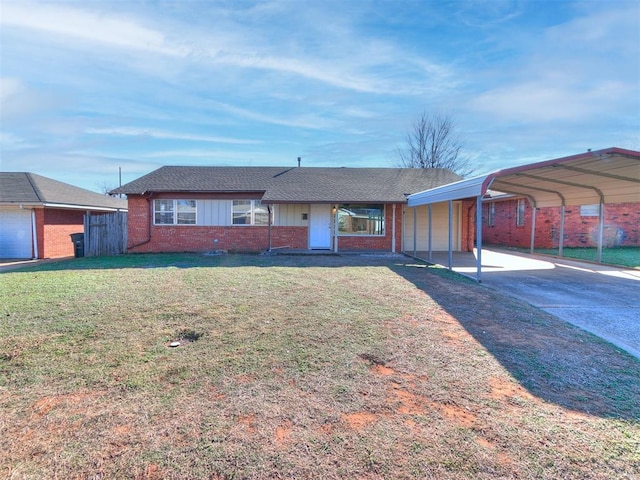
88	87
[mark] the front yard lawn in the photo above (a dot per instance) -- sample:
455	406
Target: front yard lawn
300	367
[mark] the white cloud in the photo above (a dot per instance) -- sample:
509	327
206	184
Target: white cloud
161	134
586	67
19	100
480	13
9	141
543	101
87	26
310	121
368	67
9	87
218	157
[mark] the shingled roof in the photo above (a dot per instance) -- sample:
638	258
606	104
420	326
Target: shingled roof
295	185
32	189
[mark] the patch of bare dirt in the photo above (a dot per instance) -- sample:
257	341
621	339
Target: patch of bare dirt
359	420
283	433
152	472
382	370
248	423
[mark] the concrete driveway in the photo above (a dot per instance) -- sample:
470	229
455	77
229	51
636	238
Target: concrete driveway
603	300
7	264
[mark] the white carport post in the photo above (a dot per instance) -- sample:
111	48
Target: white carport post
533	226
561	242
478	238
430	241
335	227
600	228
470	188
34	234
269	227
450	259
415	231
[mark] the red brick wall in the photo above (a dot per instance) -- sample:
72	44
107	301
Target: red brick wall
621	226
468	233
53	229
384	243
292	237
190	238
505	231
138	223
145	237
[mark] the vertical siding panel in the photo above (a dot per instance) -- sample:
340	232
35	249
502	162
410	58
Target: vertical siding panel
440	223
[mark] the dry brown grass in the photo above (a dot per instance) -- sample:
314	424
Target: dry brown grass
300	367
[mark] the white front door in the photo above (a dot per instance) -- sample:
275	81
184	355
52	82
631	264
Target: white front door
320	227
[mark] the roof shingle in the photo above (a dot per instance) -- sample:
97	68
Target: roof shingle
30	188
295	185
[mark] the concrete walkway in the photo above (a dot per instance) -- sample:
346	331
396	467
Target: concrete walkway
601	299
7	264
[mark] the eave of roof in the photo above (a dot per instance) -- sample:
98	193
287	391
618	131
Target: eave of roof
24	188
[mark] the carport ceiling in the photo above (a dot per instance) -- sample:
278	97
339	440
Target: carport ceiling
610	176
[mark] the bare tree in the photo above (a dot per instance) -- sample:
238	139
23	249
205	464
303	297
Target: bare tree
105	186
433	143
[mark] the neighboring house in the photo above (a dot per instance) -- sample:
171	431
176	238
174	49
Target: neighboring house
38	214
252	209
507	222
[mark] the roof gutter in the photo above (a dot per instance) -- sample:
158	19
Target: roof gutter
63	205
83	207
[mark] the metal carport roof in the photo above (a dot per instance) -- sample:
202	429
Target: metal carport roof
610	175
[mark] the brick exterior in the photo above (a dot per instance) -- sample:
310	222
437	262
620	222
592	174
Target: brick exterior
53	229
468	212
621	226
383	243
144	237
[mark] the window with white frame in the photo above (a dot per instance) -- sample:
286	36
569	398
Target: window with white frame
491	217
174	212
365	219
590	210
520	209
249	212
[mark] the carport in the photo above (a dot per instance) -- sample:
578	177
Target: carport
610	175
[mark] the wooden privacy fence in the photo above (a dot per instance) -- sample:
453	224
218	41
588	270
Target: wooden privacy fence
105	234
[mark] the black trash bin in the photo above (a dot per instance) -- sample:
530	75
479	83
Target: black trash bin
78	244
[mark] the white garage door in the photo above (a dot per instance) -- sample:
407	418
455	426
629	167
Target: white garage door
15	233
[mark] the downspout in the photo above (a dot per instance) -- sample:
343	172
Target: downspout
87	230
150	216
393	230
34	233
269	225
